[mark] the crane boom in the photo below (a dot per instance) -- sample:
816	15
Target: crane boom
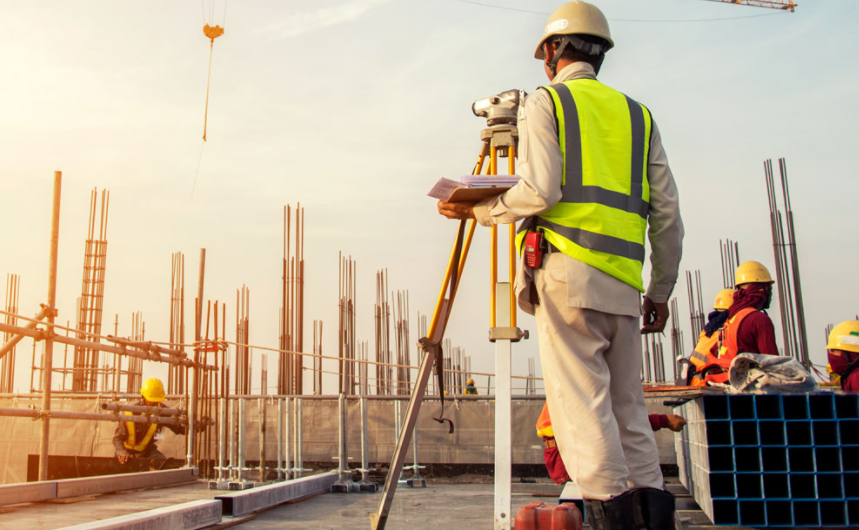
785	5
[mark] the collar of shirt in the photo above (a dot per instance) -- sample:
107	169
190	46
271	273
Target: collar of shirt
576	70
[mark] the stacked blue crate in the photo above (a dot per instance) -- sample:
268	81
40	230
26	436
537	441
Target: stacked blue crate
773	460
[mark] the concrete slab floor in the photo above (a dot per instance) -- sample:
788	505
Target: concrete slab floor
449	505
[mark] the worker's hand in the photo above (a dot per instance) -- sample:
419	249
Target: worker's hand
123	458
675	422
456	210
655	316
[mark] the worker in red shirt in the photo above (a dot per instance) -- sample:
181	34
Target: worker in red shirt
554	464
750	329
843	353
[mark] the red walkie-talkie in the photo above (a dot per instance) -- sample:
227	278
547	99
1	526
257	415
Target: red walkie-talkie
534	249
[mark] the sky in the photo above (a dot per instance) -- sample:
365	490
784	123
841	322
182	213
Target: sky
355	108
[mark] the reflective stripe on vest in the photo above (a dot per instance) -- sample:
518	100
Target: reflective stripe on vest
730	347
601	218
706	350
544	424
131	444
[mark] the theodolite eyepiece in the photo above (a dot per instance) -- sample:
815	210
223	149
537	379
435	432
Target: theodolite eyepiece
498	109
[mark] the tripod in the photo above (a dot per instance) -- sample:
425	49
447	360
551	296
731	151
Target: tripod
498	140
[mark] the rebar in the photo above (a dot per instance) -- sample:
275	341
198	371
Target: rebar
47	365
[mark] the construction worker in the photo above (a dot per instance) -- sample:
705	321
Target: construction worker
554	464
593	174
470	388
707	349
843	353
749	328
133	439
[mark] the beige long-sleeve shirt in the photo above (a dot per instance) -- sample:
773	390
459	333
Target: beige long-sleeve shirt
540	165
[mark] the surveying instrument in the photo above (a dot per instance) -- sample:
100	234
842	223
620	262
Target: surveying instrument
498	140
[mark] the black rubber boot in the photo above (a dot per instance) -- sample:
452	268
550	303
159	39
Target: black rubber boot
614	514
653	509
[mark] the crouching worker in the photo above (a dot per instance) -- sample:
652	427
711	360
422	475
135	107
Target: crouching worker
843	353
555	466
137	440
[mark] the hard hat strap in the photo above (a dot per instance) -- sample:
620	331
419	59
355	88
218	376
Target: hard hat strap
580	45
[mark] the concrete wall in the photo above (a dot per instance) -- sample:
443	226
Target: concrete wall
471	442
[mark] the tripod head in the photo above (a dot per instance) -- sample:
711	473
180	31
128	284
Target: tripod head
500	109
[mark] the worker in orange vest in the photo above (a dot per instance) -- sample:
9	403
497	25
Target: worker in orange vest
554	464
133	439
707	349
749	328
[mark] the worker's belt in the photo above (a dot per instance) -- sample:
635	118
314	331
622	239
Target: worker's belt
550	443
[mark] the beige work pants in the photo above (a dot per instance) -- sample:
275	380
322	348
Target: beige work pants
592	374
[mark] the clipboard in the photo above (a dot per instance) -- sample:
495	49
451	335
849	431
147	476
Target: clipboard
476	194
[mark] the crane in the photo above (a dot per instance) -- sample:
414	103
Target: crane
785	5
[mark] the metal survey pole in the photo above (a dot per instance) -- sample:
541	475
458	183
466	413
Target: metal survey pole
48	364
503	415
380	518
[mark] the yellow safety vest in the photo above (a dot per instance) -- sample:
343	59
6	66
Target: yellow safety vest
601	218
130	444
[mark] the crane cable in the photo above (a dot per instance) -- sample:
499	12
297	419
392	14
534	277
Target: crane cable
212	32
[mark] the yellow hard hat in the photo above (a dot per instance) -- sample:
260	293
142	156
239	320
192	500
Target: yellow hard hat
470	381
845	337
575	18
724	300
752	272
153	390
